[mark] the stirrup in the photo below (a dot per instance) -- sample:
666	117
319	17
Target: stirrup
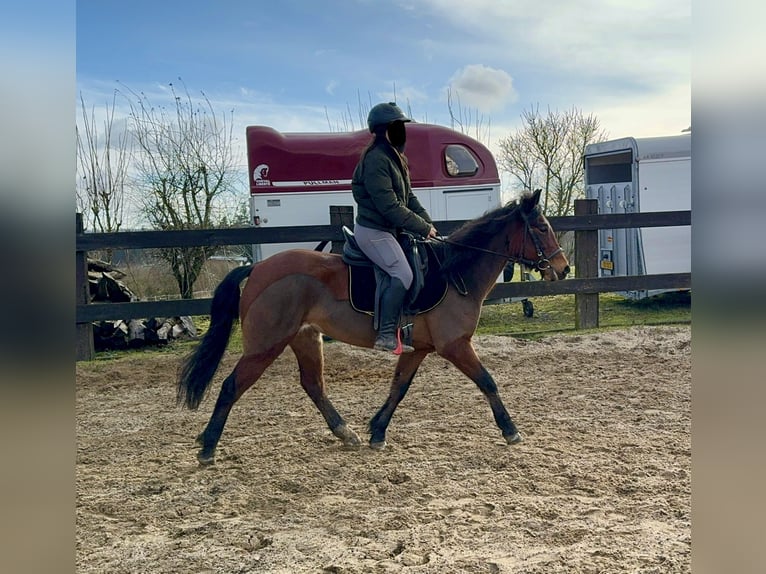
396	350
401	347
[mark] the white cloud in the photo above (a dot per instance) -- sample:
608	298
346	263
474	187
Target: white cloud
482	87
330	87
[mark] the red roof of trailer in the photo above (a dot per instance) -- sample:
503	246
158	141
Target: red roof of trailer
285	162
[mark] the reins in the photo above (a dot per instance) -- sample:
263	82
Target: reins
543	260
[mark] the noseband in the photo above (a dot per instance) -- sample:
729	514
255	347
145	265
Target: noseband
541	264
543	261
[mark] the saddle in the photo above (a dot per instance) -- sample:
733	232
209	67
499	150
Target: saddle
364	277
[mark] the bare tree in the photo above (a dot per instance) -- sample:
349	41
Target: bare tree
346	121
546	152
103	158
465	120
185	166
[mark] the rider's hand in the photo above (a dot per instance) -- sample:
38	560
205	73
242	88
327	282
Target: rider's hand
432	232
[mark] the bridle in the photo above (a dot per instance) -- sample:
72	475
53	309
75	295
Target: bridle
541	264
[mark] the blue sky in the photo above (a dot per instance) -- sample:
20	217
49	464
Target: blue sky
301	65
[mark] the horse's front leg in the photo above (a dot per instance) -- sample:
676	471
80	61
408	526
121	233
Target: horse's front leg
461	354
406	367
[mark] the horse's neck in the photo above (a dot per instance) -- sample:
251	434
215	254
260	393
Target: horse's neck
487	267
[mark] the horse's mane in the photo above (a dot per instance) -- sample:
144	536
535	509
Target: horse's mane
479	233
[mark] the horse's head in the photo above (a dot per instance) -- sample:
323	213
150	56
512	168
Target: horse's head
540	248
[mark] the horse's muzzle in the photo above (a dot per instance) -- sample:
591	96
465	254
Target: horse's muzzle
552	274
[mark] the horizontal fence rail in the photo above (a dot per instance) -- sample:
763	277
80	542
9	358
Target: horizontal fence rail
177	307
301	234
585	286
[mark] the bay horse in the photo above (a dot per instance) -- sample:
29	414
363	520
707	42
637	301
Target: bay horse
293	297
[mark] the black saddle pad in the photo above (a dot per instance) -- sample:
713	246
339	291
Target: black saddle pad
361	287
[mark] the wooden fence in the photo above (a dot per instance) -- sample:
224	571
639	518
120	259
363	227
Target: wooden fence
586	285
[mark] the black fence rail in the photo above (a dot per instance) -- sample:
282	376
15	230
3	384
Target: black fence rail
586	285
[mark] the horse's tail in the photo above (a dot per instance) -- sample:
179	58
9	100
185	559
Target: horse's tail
198	368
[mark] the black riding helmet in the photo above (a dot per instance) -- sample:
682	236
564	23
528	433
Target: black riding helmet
383	114
388	119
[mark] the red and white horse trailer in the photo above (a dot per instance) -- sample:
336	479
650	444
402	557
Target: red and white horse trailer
296	177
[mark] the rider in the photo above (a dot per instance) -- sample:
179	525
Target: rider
385	206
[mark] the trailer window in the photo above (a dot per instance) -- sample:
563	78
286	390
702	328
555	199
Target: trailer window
610	168
459	161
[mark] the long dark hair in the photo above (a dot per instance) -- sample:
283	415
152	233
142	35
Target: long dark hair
379	139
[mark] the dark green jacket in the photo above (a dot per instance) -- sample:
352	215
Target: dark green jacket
383	193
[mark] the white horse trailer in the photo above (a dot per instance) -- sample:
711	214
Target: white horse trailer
630	175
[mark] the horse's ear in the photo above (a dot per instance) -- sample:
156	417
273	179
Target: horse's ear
529	202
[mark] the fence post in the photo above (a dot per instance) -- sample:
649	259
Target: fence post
84	335
341	215
586	266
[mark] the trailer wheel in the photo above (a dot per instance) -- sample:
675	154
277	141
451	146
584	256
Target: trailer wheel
529	308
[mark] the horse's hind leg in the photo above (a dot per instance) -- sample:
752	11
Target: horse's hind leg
244	375
307	346
406	367
208	438
462	355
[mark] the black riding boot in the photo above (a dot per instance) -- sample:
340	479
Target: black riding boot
390	311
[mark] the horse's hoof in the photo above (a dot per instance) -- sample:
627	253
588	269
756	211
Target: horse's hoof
205	459
349	437
513	439
378	445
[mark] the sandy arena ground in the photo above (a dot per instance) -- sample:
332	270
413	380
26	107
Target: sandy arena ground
601	483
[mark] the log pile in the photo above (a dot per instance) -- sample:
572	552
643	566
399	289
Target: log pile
105	284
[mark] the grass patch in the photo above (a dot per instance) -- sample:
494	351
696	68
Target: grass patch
556	314
551	315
